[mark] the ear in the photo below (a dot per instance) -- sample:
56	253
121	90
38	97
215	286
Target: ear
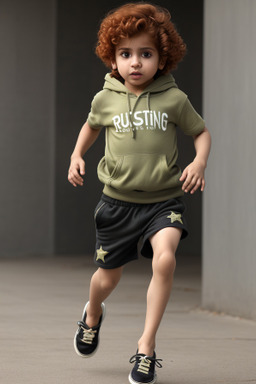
114	66
161	63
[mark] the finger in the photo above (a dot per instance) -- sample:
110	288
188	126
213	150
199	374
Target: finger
76	175
82	168
187	184
75	178
71	181
196	186
194	183
203	185
184	175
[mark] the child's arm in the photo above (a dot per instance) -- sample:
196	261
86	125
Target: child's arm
193	174
86	138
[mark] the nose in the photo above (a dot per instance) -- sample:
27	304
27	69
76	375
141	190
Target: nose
136	63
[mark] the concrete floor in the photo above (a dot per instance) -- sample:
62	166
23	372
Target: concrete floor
42	299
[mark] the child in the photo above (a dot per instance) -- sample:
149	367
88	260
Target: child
140	106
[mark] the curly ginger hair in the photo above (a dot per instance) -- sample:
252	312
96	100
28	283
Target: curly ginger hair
132	19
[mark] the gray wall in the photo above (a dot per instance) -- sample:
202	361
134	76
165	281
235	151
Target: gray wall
27	108
229	241
49	74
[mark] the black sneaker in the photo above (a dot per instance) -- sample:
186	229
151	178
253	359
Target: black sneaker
86	339
143	371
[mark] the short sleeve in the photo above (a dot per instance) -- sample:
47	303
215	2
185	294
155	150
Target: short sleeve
189	121
95	116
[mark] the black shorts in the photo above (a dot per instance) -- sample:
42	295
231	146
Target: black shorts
121	226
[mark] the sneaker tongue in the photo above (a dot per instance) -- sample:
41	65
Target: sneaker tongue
86	326
146	356
83	324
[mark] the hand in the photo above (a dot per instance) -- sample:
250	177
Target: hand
76	171
193	177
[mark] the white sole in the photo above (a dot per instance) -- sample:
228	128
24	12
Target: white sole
103	307
138	382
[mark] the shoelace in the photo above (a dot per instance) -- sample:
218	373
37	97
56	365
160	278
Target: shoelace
88	334
145	361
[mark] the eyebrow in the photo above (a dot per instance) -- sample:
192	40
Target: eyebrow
141	49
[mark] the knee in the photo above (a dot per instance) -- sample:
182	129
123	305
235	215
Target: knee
109	279
164	264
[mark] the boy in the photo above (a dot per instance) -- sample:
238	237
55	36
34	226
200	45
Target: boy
140	107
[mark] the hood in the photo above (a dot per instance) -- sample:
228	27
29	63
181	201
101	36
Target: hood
161	84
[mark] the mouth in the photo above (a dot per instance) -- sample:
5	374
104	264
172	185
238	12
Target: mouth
136	75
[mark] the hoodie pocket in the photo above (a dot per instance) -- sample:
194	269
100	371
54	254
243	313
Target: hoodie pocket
143	172
109	170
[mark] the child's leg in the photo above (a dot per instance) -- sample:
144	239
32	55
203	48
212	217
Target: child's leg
164	244
102	284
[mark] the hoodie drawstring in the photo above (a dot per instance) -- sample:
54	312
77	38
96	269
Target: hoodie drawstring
129	114
130	110
148	100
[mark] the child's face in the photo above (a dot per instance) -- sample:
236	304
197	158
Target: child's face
137	61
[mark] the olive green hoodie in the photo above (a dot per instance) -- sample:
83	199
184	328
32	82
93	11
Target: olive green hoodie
141	145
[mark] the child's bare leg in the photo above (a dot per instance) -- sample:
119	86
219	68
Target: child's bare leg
164	244
102	284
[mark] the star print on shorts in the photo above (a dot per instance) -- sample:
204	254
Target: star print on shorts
175	217
101	254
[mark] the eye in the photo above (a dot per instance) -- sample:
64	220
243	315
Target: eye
146	54
125	54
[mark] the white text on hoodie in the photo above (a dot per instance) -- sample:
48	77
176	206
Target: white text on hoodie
140	120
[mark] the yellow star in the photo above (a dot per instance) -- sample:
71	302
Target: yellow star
101	254
175	217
